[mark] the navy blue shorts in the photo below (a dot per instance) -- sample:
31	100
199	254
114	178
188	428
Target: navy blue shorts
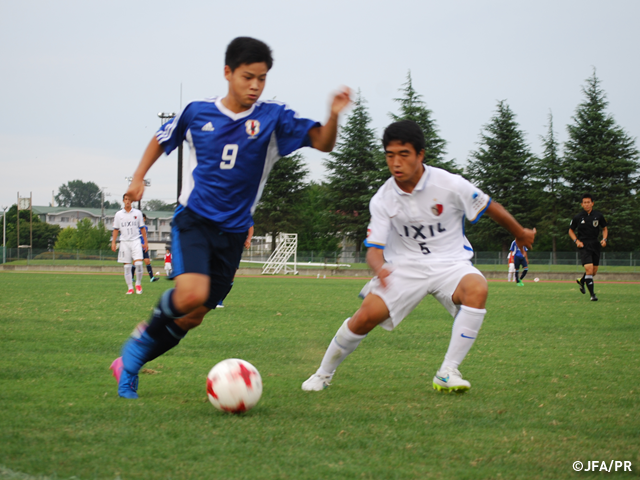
145	253
520	262
199	246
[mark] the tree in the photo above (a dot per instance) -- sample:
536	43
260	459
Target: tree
157	206
412	107
44	235
77	193
279	206
84	237
315	232
602	159
501	167
552	206
356	170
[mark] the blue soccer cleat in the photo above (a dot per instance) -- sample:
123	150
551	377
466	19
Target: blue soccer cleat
127	383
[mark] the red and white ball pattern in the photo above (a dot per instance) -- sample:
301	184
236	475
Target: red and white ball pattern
234	385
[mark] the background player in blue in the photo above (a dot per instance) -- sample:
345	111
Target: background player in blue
145	253
519	259
234	142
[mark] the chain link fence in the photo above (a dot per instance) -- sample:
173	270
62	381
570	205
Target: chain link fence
627	261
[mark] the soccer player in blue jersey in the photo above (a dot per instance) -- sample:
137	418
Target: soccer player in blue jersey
234	142
520	259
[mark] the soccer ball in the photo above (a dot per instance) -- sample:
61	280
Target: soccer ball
536	279
157	274
234	385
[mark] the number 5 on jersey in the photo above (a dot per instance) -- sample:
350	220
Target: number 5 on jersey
229	154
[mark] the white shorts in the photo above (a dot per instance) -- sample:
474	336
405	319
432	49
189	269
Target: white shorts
408	285
167	267
512	267
130	251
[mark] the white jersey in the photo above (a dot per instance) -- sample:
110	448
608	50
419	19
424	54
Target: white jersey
129	224
427	225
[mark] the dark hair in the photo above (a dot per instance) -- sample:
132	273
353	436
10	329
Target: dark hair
587	195
144	215
404	131
247	50
124	196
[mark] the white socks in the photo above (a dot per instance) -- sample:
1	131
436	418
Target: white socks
138	273
340	347
127	275
464	332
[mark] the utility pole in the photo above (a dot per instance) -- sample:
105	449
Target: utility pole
102	195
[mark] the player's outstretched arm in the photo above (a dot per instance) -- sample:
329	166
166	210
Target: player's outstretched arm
524	236
153	152
323	138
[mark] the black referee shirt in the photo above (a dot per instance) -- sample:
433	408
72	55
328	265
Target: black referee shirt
587	226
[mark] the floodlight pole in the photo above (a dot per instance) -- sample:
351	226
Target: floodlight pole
164	118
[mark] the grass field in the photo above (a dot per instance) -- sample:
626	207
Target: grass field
553	381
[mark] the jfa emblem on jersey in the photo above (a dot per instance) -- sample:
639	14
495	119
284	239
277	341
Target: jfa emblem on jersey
437	209
253	127
595	223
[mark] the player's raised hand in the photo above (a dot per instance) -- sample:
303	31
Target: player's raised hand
341	100
526	238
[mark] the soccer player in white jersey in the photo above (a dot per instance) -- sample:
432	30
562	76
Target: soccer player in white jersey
416	246
234	142
129	222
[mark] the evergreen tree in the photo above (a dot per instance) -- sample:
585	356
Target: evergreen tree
552	207
279	208
316	232
501	167
602	159
412	107
356	169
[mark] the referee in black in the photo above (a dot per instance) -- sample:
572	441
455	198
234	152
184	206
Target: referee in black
584	231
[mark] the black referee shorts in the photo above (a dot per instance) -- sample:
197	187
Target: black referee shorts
590	253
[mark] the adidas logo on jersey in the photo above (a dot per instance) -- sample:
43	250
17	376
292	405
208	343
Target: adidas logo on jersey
208	128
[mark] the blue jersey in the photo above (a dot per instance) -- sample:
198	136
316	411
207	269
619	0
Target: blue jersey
516	251
231	155
141	237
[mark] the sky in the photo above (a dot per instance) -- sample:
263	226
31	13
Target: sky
82	83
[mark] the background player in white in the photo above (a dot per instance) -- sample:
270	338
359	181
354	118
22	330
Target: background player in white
511	274
129	222
234	142
417	247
